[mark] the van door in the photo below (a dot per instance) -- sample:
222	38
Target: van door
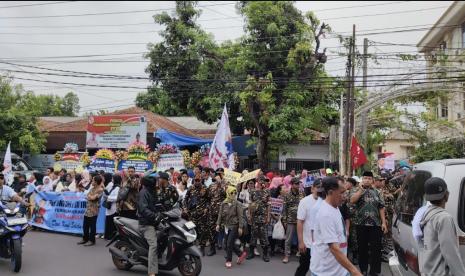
455	179
409	201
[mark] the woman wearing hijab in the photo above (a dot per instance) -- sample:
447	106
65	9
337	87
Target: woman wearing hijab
230	217
110	195
47	185
84	183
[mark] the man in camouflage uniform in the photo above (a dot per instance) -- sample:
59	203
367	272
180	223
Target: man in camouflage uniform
217	196
291	204
389	201
197	204
259	214
350	185
166	193
127	196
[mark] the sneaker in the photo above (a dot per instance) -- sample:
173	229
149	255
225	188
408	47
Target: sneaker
285	259
297	254
89	244
255	251
242	257
228	265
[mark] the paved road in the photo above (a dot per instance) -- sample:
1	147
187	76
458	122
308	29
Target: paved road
46	254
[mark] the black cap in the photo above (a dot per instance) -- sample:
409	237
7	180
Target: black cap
368	173
220	170
295	180
435	189
263	179
164	175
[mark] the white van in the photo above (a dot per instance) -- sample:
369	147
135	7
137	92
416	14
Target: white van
405	260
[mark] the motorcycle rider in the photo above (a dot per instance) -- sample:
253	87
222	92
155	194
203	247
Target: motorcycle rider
166	193
149	217
8	194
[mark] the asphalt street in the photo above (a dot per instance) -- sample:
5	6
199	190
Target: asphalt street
47	254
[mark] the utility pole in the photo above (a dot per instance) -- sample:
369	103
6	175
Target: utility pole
346	114
351	101
365	76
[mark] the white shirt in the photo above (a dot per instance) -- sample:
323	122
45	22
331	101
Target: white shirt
314	211
7	193
303	213
111	198
329	228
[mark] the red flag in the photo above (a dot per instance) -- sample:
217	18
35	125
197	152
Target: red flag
356	153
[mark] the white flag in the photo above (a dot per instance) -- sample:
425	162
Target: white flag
8	166
221	151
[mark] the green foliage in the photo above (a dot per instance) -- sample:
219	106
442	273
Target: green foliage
17	124
273	76
452	148
48	105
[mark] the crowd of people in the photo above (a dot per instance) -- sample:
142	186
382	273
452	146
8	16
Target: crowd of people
350	214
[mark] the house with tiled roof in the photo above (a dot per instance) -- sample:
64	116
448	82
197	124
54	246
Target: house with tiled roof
62	130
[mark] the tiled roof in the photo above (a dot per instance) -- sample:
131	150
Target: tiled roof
154	122
193	123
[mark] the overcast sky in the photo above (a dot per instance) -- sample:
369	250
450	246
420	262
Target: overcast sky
25	40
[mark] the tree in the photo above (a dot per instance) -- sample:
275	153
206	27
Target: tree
48	105
17	124
273	76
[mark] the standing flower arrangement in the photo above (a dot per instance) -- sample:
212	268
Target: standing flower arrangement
85	159
138	151
121	155
167	149
105	154
187	158
195	159
205	149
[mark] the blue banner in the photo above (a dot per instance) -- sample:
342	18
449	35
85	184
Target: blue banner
63	212
105	165
141	166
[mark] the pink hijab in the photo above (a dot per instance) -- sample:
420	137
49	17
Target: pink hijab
287	181
275	182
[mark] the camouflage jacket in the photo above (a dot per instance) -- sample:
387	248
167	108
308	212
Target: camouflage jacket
217	196
197	200
167	196
259	208
291	204
132	188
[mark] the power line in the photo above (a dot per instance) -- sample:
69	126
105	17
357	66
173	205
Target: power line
360	6
103	13
38	4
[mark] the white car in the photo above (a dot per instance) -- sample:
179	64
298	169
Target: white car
405	259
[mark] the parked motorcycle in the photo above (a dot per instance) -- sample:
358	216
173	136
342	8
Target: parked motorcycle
13	227
175	237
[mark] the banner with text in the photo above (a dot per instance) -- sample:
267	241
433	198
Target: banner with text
249	176
231	177
105	165
277	205
141	166
63	212
115	131
167	161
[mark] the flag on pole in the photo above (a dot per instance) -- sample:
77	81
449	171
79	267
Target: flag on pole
8	166
221	151
356	153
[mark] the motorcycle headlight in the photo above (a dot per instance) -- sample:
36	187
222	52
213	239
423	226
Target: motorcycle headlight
190	237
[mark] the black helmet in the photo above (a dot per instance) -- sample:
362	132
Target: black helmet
149	180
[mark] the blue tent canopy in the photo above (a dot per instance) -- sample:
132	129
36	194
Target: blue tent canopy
168	137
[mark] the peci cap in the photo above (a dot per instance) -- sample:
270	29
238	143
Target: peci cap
435	189
368	173
164	175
